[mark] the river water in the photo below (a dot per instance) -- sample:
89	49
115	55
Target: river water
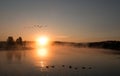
60	61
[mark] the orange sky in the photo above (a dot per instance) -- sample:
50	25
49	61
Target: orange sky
73	20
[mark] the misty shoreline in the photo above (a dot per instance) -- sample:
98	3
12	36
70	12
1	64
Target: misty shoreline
26	45
113	45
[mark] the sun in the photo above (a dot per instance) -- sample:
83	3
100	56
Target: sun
42	41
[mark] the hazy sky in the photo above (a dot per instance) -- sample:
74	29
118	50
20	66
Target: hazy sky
67	20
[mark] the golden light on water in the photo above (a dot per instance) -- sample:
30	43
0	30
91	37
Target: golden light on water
42	64
40	55
42	52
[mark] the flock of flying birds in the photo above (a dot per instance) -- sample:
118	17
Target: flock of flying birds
40	26
36	28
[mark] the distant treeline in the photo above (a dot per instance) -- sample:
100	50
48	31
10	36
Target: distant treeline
106	44
115	45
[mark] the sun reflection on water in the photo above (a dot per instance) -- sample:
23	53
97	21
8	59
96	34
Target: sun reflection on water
42	55
42	64
42	52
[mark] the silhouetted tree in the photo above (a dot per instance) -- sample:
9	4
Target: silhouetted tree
19	41
10	41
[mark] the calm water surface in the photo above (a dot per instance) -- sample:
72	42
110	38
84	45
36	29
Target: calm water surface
60	61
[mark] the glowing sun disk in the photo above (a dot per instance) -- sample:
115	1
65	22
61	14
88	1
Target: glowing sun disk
42	41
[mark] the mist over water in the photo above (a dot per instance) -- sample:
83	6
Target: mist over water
59	61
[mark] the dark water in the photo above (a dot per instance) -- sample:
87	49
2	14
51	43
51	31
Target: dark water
60	61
